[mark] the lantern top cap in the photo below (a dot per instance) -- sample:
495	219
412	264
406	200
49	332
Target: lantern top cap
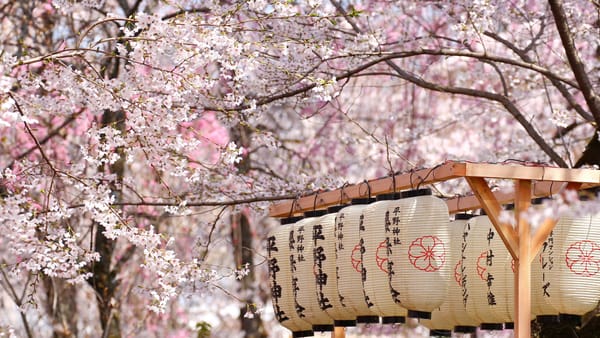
315	213
416	192
365	200
290	220
463	216
389	196
336	208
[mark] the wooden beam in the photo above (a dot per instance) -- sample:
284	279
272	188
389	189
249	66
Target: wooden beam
551	181
492	207
523	262
321	200
538	173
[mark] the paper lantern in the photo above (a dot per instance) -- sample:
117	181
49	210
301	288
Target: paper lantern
541	307
374	261
573	251
280	278
488	277
325	240
416	229
452	314
307	275
348	261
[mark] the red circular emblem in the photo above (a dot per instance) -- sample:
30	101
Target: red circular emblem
482	265
583	258
381	256
458	274
427	253
355	258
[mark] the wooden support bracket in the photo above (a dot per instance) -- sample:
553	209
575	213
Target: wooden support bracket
492	207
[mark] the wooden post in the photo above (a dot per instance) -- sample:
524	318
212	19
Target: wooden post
338	332
523	262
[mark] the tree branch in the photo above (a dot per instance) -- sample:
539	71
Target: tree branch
557	84
575	62
509	105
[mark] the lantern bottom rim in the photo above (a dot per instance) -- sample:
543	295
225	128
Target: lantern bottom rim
300	334
345	322
465	329
419	314
393	320
322	327
492	326
367	319
548	319
570	319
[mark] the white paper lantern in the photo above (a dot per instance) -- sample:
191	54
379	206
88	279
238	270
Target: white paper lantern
574	278
541	307
416	229
374	261
280	278
453	310
325	240
305	273
488	277
348	260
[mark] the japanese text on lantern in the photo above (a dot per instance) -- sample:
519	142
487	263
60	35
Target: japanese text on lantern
275	287
363	270
547	262
339	232
489	278
319	258
300	244
299	308
392	227
339	237
463	268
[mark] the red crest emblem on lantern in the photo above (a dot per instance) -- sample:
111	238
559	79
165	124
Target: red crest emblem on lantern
355	258
381	256
457	273
427	253
583	258
482	265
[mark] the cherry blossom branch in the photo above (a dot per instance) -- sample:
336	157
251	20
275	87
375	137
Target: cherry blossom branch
577	66
199	204
16	300
47	138
507	103
30	132
503	100
557	84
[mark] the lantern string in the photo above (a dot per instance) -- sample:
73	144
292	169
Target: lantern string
368	188
294	203
315	202
342	192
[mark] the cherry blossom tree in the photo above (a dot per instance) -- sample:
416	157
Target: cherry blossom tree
137	133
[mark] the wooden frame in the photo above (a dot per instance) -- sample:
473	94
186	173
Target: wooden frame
529	182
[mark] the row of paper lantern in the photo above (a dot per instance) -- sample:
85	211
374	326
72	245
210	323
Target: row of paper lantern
399	256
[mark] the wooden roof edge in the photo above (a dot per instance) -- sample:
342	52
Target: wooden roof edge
412	180
531	172
550	181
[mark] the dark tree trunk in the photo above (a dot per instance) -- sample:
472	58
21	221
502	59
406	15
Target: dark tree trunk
241	236
61	305
104	280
